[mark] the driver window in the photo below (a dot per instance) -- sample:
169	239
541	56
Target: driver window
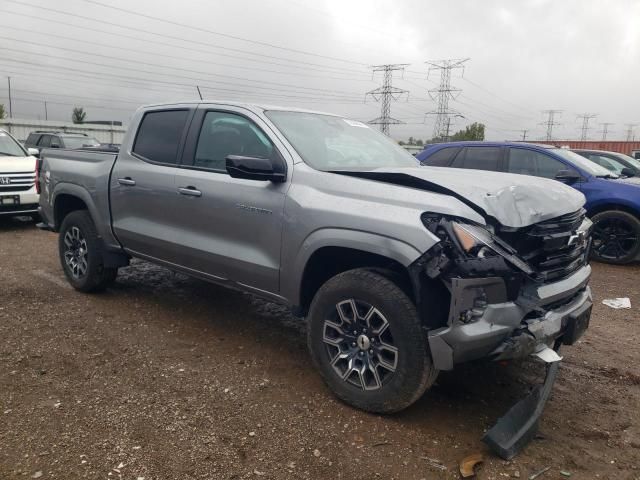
530	162
224	134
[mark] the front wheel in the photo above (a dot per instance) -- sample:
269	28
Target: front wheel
616	237
367	341
81	254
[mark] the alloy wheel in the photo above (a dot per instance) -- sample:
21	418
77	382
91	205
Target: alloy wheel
613	238
359	344
75	254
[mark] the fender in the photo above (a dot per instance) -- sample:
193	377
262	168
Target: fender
392	248
97	212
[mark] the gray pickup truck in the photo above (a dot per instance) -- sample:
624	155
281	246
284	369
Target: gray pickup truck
401	270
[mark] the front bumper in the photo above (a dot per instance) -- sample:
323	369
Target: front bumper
497	329
22	203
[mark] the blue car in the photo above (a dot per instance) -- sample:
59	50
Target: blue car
613	202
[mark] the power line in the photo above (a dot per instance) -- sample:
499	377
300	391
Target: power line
224	35
630	133
584	129
550	123
165	35
385	94
443	93
605	129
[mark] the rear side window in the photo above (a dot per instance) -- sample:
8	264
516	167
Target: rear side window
479	158
55	142
32	139
442	158
160	134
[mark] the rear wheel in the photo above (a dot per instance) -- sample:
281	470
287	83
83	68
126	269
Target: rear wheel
616	237
81	254
367	341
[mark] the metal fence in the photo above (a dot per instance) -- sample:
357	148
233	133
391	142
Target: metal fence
21	129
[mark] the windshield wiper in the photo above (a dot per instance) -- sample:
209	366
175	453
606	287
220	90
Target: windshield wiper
608	177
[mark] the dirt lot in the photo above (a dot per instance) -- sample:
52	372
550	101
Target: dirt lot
166	377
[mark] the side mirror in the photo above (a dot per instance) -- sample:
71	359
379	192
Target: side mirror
34	152
568	176
628	172
255	168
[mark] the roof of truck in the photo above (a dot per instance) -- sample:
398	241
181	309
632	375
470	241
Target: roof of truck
249	106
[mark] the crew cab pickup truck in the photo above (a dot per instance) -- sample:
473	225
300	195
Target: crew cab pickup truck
401	270
18	189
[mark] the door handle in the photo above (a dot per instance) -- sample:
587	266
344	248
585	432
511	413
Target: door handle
191	191
127	181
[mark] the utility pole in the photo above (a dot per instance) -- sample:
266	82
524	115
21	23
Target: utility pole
524	134
550	123
10	105
385	94
630	127
46	114
443	94
605	129
585	124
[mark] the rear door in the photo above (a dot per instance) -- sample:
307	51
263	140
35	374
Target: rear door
231	227
144	198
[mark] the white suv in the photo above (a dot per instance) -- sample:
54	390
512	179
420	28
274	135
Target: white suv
18	191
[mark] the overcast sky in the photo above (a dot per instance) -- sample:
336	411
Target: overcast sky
525	56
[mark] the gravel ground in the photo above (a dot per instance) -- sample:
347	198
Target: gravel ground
166	377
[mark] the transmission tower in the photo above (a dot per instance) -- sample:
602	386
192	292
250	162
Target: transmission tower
585	124
443	94
630	127
385	94
605	130
524	133
550	123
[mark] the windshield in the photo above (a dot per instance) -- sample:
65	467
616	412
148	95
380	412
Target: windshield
626	158
79	142
9	147
331	143
584	164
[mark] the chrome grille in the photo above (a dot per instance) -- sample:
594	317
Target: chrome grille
17	181
554	248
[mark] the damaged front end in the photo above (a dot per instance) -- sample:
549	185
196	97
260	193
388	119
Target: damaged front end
513	293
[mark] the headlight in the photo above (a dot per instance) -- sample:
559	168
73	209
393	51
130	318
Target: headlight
478	242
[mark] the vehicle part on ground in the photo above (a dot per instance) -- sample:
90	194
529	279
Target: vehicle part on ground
519	425
366	339
81	254
616	237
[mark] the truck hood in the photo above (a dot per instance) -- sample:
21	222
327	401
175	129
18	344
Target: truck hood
512	200
17	164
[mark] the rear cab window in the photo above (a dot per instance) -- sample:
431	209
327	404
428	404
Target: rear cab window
160	134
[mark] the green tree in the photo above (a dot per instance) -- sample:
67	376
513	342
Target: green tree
401	142
411	141
419	142
3	112
475	131
78	115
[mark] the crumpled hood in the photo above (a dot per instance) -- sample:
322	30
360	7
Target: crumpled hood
513	200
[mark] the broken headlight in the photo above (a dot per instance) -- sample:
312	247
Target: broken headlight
478	242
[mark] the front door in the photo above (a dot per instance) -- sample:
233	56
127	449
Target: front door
232	228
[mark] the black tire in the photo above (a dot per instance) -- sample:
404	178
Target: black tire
88	275
616	237
384	391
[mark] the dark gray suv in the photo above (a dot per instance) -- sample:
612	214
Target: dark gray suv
42	139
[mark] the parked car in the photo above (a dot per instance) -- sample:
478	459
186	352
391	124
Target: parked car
18	186
401	270
43	139
613	203
619	163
